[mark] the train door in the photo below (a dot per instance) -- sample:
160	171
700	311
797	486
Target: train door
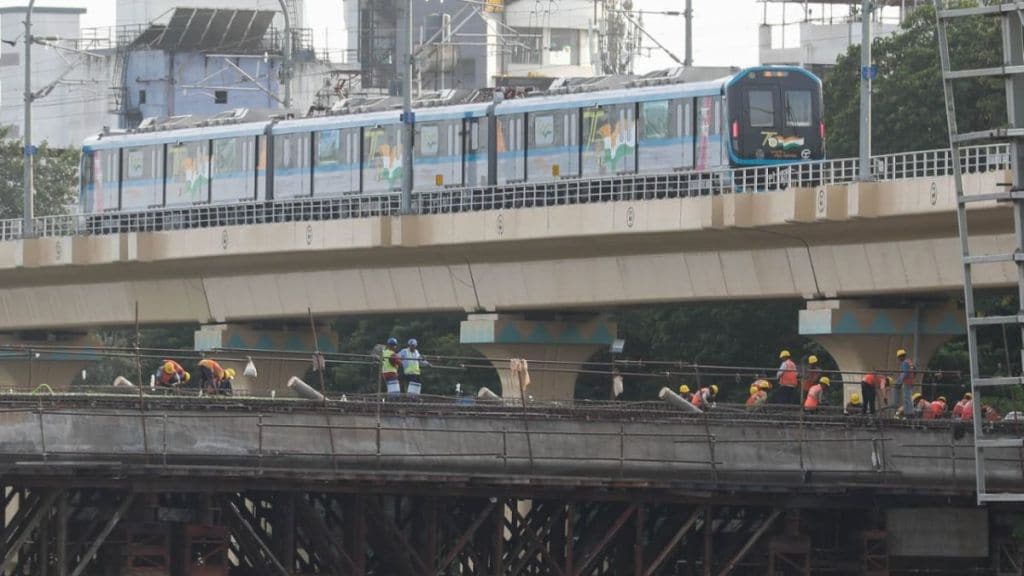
476	158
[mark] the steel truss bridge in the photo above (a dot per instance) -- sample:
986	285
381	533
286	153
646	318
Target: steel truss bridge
147	485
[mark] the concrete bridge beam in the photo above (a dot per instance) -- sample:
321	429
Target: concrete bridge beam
285	353
29	361
556	350
863	339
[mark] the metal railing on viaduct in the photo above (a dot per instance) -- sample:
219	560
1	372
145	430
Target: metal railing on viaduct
622	187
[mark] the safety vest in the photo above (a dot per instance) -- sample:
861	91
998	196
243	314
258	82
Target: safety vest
752	400
698	398
177	374
936	410
788	377
813	398
967	413
386	365
214	367
411	362
872	380
958	410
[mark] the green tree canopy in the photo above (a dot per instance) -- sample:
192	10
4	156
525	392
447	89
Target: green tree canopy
56	178
908	107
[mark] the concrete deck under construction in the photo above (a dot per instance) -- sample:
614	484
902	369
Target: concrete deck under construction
646	447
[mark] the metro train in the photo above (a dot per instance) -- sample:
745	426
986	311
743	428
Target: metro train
758	116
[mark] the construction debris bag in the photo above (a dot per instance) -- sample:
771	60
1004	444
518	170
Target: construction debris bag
250	369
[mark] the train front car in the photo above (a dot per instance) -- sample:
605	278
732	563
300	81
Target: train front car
775	116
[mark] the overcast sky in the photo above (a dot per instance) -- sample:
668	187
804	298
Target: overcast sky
725	31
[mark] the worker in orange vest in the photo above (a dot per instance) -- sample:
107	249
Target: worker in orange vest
757	396
816	393
210	375
958	409
811	373
787	377
171	373
872	386
705	397
920	406
936	409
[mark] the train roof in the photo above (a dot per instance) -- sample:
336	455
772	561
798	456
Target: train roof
122	139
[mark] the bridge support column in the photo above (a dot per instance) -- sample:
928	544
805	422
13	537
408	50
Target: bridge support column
556	349
287	352
863	339
56	360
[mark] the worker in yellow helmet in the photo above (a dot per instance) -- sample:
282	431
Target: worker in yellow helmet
226	385
684	391
758	395
705	397
811	373
788	380
904	383
816	394
854	406
170	373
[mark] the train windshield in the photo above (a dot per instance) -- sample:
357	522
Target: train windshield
775	115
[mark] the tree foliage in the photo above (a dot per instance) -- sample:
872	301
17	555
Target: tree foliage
56	178
908	107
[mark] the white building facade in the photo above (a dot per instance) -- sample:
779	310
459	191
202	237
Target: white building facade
71	77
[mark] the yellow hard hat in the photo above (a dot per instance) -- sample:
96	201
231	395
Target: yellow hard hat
824	380
784	354
915	397
812	359
684	389
168	368
187	376
941	399
714	389
901	352
765	385
229	373
854	398
969	396
753	389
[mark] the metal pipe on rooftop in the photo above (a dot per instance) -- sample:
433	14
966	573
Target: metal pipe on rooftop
286	59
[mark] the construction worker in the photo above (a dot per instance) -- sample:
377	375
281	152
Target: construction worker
412	363
854	405
811	373
684	392
210	375
816	395
919	405
958	409
171	373
758	395
936	409
390	362
705	397
905	382
787	377
873	386
226	385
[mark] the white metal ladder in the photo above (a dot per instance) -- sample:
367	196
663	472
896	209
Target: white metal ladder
1011	15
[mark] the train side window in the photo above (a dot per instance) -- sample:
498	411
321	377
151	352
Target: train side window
654	120
798	108
762	108
429	140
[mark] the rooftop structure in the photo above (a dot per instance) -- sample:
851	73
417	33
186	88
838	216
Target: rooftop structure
815	34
